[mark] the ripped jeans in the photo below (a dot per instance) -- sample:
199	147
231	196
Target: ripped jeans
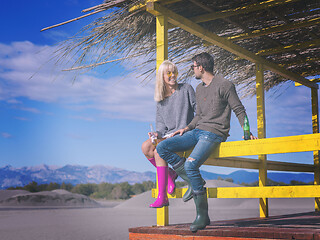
204	143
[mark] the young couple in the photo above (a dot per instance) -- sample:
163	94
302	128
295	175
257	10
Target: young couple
178	129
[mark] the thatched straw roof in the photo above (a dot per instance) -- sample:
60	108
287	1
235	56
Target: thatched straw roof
282	32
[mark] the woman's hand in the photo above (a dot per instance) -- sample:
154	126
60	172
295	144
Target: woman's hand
181	131
155	134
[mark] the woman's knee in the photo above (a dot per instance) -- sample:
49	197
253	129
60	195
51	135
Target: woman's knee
147	147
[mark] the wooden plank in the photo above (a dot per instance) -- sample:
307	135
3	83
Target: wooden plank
250	163
161	55
301	191
141	6
315	129
240	10
300	143
274	29
289	48
193	28
312	80
162	39
261	122
306	191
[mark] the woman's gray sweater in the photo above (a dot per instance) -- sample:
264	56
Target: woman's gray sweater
177	111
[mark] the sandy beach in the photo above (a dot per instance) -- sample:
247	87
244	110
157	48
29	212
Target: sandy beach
111	219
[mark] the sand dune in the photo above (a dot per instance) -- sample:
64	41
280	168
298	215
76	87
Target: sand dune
46	198
5	194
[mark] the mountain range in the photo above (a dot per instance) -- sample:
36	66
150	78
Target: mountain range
75	174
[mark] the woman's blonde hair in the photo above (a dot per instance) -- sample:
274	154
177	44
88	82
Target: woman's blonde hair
160	89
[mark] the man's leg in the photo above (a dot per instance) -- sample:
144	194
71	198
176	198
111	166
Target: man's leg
207	142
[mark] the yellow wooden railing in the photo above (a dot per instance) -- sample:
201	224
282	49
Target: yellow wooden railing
225	156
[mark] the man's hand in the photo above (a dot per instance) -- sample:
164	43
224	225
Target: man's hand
251	137
181	131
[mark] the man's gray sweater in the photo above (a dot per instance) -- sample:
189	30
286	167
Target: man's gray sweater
177	111
214	104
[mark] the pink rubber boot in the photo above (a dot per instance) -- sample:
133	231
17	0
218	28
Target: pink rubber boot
172	176
162	199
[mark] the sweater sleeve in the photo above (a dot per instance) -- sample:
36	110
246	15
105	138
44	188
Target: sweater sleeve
235	103
160	125
196	118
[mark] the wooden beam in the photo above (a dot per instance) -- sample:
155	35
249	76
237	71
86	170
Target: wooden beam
229	20
141	6
306	191
301	61
161	55
240	10
315	130
312	80
289	48
311	73
193	28
299	143
261	125
274	29
250	163
302	191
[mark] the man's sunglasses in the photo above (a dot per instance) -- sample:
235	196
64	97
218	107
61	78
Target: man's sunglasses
193	66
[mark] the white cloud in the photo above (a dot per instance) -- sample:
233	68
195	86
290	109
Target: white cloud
120	97
89	119
114	97
14	101
6	135
21	118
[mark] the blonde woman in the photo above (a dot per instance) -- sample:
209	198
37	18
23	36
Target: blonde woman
175	110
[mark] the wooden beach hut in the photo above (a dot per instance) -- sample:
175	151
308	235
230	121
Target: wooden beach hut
260	44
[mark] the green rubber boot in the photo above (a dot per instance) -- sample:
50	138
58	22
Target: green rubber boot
182	173
202	220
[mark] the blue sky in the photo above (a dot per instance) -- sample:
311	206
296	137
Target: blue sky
48	119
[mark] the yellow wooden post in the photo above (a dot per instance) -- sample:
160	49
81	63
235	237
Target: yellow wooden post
261	134
315	129
162	54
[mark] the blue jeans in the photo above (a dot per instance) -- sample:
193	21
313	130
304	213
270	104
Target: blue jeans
204	143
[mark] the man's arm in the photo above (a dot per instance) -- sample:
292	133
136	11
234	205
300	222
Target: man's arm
236	106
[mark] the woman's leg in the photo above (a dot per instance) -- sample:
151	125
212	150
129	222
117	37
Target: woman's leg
149	150
162	199
178	144
172	175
